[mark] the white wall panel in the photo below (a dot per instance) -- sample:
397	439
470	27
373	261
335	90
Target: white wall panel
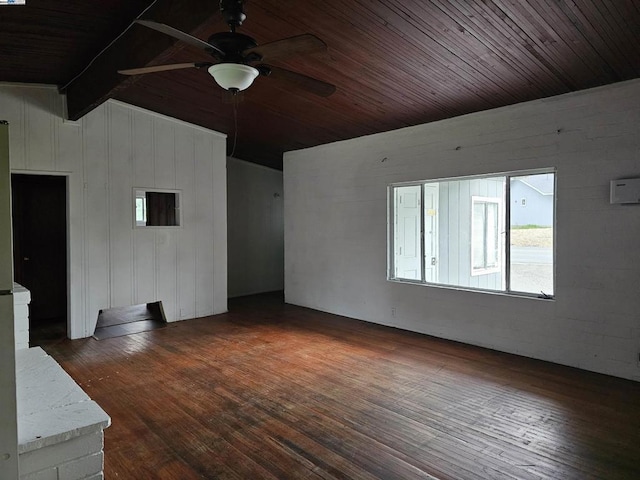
120	209
96	215
39	119
591	137
164	154
108	152
145	253
186	181
143	151
166	271
204	222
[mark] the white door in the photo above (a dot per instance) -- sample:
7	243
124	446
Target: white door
407	244
431	233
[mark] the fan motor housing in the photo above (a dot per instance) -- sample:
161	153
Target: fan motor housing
232	44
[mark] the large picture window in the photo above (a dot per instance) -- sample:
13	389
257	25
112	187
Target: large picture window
491	232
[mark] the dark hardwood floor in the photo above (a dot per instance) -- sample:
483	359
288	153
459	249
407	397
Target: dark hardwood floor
281	392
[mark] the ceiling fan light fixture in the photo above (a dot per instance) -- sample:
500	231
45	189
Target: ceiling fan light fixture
233	76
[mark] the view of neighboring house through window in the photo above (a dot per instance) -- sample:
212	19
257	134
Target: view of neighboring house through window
468	232
531	233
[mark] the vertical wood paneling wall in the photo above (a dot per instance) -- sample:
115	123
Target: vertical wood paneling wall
104	156
336	228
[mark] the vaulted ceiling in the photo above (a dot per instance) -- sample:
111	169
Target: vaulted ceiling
395	63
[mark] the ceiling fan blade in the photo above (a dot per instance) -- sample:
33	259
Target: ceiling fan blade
306	43
162	68
180	35
311	85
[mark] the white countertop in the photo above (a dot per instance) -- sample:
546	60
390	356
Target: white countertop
52	408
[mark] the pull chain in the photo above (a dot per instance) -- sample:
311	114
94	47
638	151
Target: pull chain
234	100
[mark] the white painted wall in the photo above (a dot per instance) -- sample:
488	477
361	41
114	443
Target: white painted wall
8	418
111	150
336	228
255	228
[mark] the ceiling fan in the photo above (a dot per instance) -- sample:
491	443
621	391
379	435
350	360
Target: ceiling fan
237	57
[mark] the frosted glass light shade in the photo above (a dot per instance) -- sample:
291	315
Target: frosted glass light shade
233	76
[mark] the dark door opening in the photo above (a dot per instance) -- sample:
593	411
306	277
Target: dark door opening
39	205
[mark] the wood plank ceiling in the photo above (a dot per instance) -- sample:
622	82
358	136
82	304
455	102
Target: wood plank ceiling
395	63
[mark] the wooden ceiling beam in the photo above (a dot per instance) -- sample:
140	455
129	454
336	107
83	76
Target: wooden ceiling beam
137	47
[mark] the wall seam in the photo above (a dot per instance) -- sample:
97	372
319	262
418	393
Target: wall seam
108	133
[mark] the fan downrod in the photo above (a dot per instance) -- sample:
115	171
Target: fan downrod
233	13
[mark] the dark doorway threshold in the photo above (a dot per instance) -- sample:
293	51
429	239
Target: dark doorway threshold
121	321
47	331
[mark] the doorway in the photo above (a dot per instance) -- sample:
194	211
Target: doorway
39	204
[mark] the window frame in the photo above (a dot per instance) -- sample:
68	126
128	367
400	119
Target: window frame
505	254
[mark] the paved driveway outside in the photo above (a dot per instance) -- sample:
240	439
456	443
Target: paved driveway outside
529	255
532	269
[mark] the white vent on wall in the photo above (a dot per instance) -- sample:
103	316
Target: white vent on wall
625	190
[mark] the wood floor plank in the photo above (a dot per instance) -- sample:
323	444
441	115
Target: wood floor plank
273	391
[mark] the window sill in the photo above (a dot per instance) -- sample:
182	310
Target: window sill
502	293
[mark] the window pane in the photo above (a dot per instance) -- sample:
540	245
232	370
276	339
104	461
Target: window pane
470	222
407	259
531	232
